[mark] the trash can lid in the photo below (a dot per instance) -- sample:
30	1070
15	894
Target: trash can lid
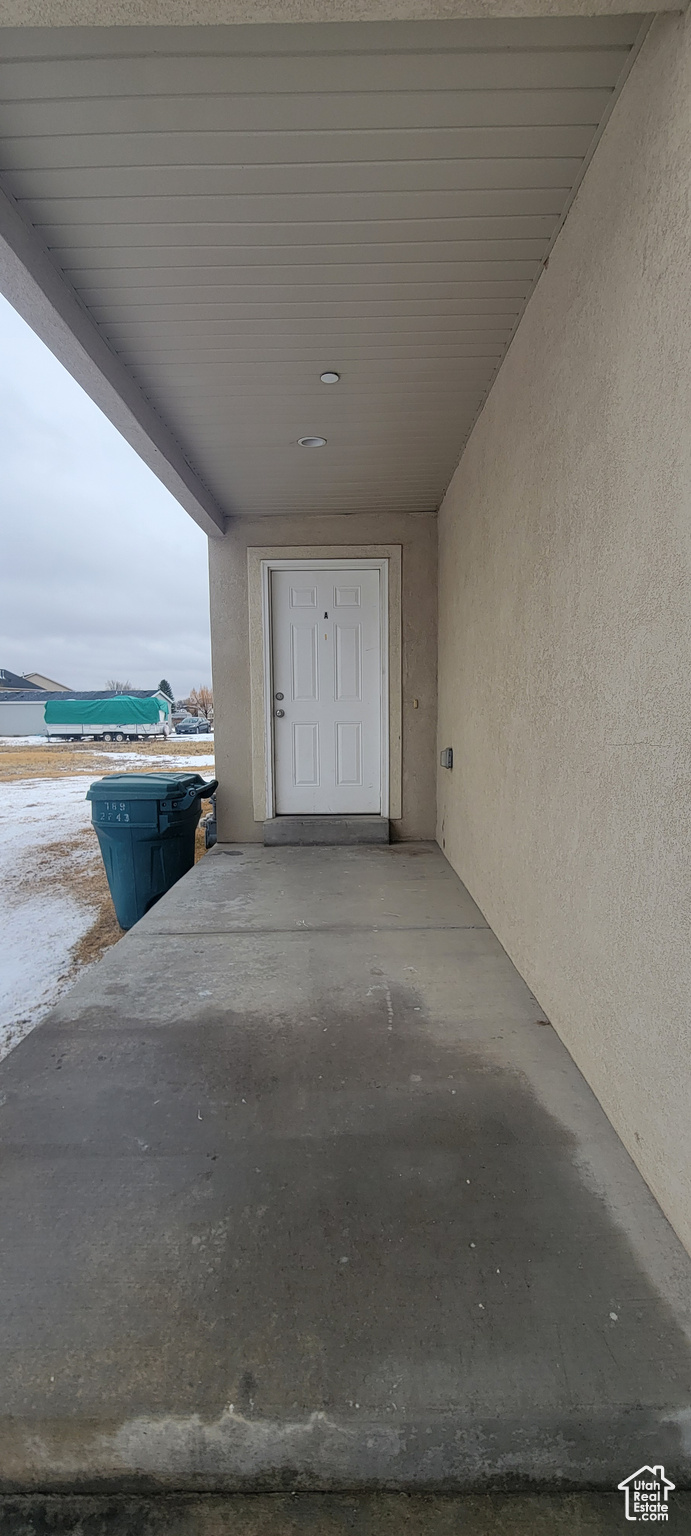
146	786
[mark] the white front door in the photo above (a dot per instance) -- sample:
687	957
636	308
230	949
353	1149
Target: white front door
327	679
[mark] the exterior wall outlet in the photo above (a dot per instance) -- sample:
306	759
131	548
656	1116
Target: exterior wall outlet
446	758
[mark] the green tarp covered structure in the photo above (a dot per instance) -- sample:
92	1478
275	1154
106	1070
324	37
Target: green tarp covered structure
123	709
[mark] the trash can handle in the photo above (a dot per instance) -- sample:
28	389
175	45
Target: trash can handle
197	791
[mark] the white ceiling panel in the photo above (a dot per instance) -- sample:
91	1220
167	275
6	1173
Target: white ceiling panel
241	208
267	115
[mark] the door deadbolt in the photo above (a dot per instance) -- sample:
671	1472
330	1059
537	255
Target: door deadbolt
280	713
280	695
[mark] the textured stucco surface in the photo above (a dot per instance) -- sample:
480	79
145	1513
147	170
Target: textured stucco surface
417	536
108	13
565	630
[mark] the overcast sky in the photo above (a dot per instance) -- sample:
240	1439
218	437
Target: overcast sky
102	574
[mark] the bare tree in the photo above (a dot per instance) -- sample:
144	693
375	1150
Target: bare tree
113	686
201	701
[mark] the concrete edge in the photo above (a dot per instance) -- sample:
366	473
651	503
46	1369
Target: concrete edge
289	1514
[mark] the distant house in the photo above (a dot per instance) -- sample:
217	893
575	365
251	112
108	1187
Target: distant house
22	710
33	684
10	682
37	680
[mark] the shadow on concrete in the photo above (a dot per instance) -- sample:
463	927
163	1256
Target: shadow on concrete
260	1252
326	1515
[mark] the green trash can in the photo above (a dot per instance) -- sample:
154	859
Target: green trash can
145	824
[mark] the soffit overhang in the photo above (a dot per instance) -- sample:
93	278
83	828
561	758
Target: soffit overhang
226	212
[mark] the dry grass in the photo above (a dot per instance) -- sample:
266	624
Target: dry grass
104	932
59	760
200	840
74	865
74	868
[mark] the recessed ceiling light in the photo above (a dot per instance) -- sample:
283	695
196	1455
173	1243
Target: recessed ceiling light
329	378
312	442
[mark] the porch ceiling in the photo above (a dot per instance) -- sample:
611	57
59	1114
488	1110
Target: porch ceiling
240	208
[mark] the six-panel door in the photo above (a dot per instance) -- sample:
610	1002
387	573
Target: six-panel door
327	683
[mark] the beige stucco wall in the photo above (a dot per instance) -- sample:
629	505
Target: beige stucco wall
565	630
108	13
228	574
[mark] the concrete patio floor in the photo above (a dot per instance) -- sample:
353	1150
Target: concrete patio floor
298	1189
324	1514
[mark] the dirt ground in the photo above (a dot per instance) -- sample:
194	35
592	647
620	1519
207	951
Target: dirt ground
70	868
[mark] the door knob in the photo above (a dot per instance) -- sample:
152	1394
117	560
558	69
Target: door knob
280	713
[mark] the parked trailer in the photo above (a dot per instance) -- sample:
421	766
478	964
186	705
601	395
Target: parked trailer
123	718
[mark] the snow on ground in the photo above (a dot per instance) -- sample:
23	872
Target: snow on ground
167	759
23	741
42	741
39	928
46	841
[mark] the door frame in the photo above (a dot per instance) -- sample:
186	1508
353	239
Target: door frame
380	564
